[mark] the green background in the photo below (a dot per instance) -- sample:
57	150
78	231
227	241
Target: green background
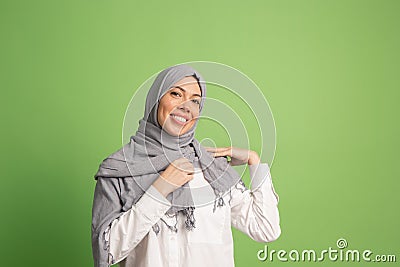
329	70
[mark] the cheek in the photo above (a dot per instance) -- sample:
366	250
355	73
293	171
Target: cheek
165	107
189	126
168	105
196	113
195	116
162	114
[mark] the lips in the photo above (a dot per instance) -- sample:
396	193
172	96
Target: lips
179	118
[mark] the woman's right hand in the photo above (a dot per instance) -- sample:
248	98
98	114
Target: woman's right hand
175	175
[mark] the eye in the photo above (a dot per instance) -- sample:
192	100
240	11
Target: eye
174	93
196	101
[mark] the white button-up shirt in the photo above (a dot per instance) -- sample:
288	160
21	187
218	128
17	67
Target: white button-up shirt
141	238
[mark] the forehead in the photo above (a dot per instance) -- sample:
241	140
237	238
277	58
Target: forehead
190	84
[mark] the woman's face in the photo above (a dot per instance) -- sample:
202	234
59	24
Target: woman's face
179	107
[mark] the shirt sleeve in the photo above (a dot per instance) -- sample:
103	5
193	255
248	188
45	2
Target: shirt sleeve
255	212
131	227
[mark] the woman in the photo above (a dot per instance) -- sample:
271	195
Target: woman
150	203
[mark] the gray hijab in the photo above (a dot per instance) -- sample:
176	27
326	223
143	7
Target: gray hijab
125	175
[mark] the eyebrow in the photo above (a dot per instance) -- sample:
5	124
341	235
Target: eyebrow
183	89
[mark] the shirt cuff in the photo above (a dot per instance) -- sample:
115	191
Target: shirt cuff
259	173
153	205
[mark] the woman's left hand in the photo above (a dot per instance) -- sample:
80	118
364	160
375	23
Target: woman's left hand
238	156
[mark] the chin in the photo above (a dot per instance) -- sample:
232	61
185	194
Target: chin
177	131
173	132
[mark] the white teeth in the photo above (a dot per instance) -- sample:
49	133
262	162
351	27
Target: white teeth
179	118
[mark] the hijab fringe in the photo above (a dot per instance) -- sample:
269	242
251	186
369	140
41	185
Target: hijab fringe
219	201
189	222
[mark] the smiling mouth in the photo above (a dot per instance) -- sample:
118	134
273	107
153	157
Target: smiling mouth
180	120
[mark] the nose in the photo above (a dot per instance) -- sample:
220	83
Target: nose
184	106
